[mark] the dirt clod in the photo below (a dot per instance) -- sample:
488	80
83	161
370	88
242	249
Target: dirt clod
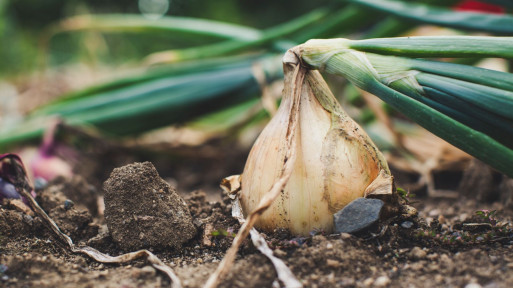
445	244
142	210
417	253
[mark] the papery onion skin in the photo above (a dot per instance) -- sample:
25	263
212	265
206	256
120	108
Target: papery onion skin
335	162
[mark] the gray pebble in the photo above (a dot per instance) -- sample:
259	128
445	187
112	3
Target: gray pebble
40	183
68	204
358	215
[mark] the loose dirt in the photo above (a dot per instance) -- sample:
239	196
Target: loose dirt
447	245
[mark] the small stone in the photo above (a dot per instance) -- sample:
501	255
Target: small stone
409	211
382	281
358	215
3	268
332	263
28	219
68	204
473	285
368	282
345	282
407	224
417	266
345	236
434	213
417	253
446	260
439	279
40	183
148	272
197	222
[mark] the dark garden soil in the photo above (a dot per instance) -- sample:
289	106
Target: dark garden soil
447	245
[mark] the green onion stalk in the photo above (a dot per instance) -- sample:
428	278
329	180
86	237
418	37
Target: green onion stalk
467	106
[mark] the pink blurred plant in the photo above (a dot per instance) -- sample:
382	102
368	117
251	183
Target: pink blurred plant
46	164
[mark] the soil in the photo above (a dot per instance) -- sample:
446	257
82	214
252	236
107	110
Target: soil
446	245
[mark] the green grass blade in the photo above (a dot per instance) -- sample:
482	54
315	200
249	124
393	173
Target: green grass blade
146	91
473	96
391	66
389	27
176	70
499	128
500	24
231	46
320	22
168	24
473	142
478	119
469	140
487	77
394	26
438	46
171	102
494	100
151	104
464	118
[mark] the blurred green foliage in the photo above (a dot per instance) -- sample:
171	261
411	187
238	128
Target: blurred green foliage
23	22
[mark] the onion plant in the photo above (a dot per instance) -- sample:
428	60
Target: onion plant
467	106
311	146
466	98
311	159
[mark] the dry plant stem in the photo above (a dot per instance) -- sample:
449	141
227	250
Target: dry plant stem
95	254
285	276
268	101
276	189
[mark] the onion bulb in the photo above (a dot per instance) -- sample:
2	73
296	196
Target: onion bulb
335	160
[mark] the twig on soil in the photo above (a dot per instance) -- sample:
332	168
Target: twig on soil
97	255
23	187
276	189
284	274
